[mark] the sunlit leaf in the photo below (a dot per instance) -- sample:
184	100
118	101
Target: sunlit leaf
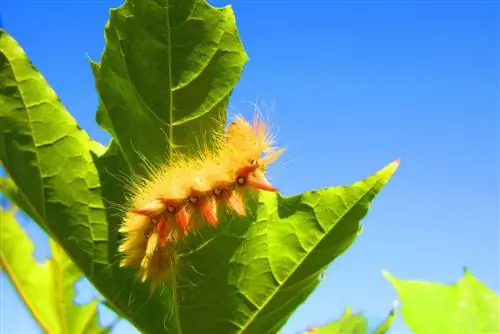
467	306
165	75
48	157
47	289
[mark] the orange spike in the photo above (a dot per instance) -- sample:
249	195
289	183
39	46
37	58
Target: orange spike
182	218
207	211
259	183
235	202
175	207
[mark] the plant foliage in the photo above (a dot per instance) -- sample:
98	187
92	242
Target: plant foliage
350	323
467	306
163	81
45	288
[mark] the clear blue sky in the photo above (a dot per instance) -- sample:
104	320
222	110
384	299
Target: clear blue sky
351	87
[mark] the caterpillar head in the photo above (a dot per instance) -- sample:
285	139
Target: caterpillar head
251	148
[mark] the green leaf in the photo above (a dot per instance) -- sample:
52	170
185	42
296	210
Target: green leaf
48	157
467	306
348	323
47	289
386	324
165	75
247	276
264	268
13	194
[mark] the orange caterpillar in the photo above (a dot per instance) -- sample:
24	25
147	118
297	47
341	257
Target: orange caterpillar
163	208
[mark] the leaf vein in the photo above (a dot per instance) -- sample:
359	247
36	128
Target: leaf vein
22	98
272	295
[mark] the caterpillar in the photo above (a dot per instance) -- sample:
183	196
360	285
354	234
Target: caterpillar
164	208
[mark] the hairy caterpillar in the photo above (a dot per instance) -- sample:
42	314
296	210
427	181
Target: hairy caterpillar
167	206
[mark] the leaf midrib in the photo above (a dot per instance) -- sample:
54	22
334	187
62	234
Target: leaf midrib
21	293
175	298
299	263
59	287
170	83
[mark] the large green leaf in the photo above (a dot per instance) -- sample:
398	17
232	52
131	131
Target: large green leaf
165	75
47	289
48	157
51	159
247	276
467	306
251	274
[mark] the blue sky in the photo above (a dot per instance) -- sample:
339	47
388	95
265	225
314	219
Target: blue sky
351	86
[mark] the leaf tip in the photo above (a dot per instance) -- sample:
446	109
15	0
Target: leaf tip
387	275
395	164
389	169
90	60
